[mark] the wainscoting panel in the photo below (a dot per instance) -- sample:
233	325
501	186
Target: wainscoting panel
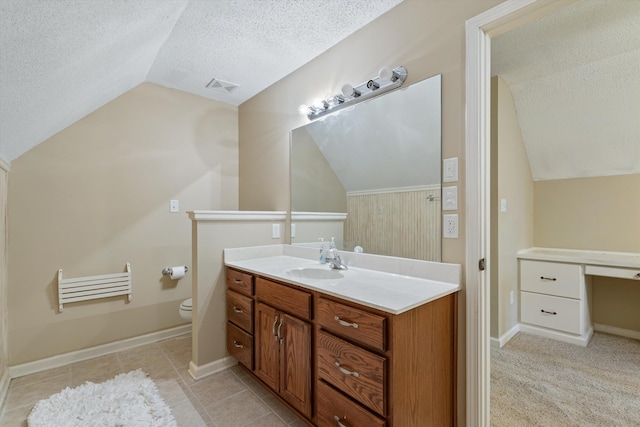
401	223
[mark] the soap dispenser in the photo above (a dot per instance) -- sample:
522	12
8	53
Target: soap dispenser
323	254
332	245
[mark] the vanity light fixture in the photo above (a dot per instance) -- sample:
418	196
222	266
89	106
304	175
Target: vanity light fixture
386	80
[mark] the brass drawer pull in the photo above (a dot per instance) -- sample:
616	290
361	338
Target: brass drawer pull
238	310
237	281
354	325
550	279
237	344
346	371
338	423
548	312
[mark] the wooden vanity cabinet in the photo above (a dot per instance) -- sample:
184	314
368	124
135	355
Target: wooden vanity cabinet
339	363
240	317
283	343
398	369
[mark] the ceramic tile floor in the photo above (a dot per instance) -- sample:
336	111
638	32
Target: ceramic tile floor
230	398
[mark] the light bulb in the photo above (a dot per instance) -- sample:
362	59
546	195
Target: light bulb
385	74
304	110
349	91
318	104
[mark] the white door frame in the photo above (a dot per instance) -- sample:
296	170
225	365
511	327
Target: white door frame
479	31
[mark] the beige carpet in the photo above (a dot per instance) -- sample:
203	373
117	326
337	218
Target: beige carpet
537	381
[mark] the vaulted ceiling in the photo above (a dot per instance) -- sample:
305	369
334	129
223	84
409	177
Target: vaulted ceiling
62	59
575	80
574	75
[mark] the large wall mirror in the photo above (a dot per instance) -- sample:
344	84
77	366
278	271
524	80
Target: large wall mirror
369	175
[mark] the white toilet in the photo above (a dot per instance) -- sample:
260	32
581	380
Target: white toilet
185	309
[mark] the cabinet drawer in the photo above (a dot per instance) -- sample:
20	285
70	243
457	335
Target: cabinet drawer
551	278
240	345
547	311
353	323
240	282
240	310
333	406
621	272
282	297
353	370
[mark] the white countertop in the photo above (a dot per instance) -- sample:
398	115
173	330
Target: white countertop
393	293
604	258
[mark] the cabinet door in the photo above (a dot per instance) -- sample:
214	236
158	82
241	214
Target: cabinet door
267	345
295	363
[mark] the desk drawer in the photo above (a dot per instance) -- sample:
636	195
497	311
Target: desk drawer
621	272
355	371
551	278
547	311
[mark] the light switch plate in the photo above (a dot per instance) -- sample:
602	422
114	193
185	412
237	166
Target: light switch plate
293	230
174	206
450	170
275	231
450	198
503	205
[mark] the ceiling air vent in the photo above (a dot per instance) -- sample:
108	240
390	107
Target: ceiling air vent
222	86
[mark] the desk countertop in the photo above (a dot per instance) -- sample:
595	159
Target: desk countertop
601	258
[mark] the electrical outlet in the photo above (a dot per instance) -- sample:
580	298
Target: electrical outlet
450	226
275	231
450	198
174	206
503	205
293	230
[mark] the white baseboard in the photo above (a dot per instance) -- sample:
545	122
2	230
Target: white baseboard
4	388
500	342
582	340
199	372
628	333
100	350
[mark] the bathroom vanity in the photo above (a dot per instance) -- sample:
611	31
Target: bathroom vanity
359	347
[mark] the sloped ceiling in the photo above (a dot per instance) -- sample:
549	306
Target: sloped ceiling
575	80
62	59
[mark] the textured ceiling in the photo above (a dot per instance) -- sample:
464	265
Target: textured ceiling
62	59
575	80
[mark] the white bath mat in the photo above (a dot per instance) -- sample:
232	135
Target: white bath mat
128	400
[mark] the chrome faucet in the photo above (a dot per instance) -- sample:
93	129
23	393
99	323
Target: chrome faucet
334	260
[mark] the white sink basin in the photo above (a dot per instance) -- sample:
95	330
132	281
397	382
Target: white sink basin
315	273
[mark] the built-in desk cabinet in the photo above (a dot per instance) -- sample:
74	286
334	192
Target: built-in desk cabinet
338	363
556	289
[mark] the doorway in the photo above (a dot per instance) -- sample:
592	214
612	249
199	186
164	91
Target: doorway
479	31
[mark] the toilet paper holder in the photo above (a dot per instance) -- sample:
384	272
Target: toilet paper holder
168	270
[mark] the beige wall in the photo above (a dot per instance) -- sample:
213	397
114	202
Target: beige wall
4	168
317	189
598	214
428	37
96	196
210	238
515	226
